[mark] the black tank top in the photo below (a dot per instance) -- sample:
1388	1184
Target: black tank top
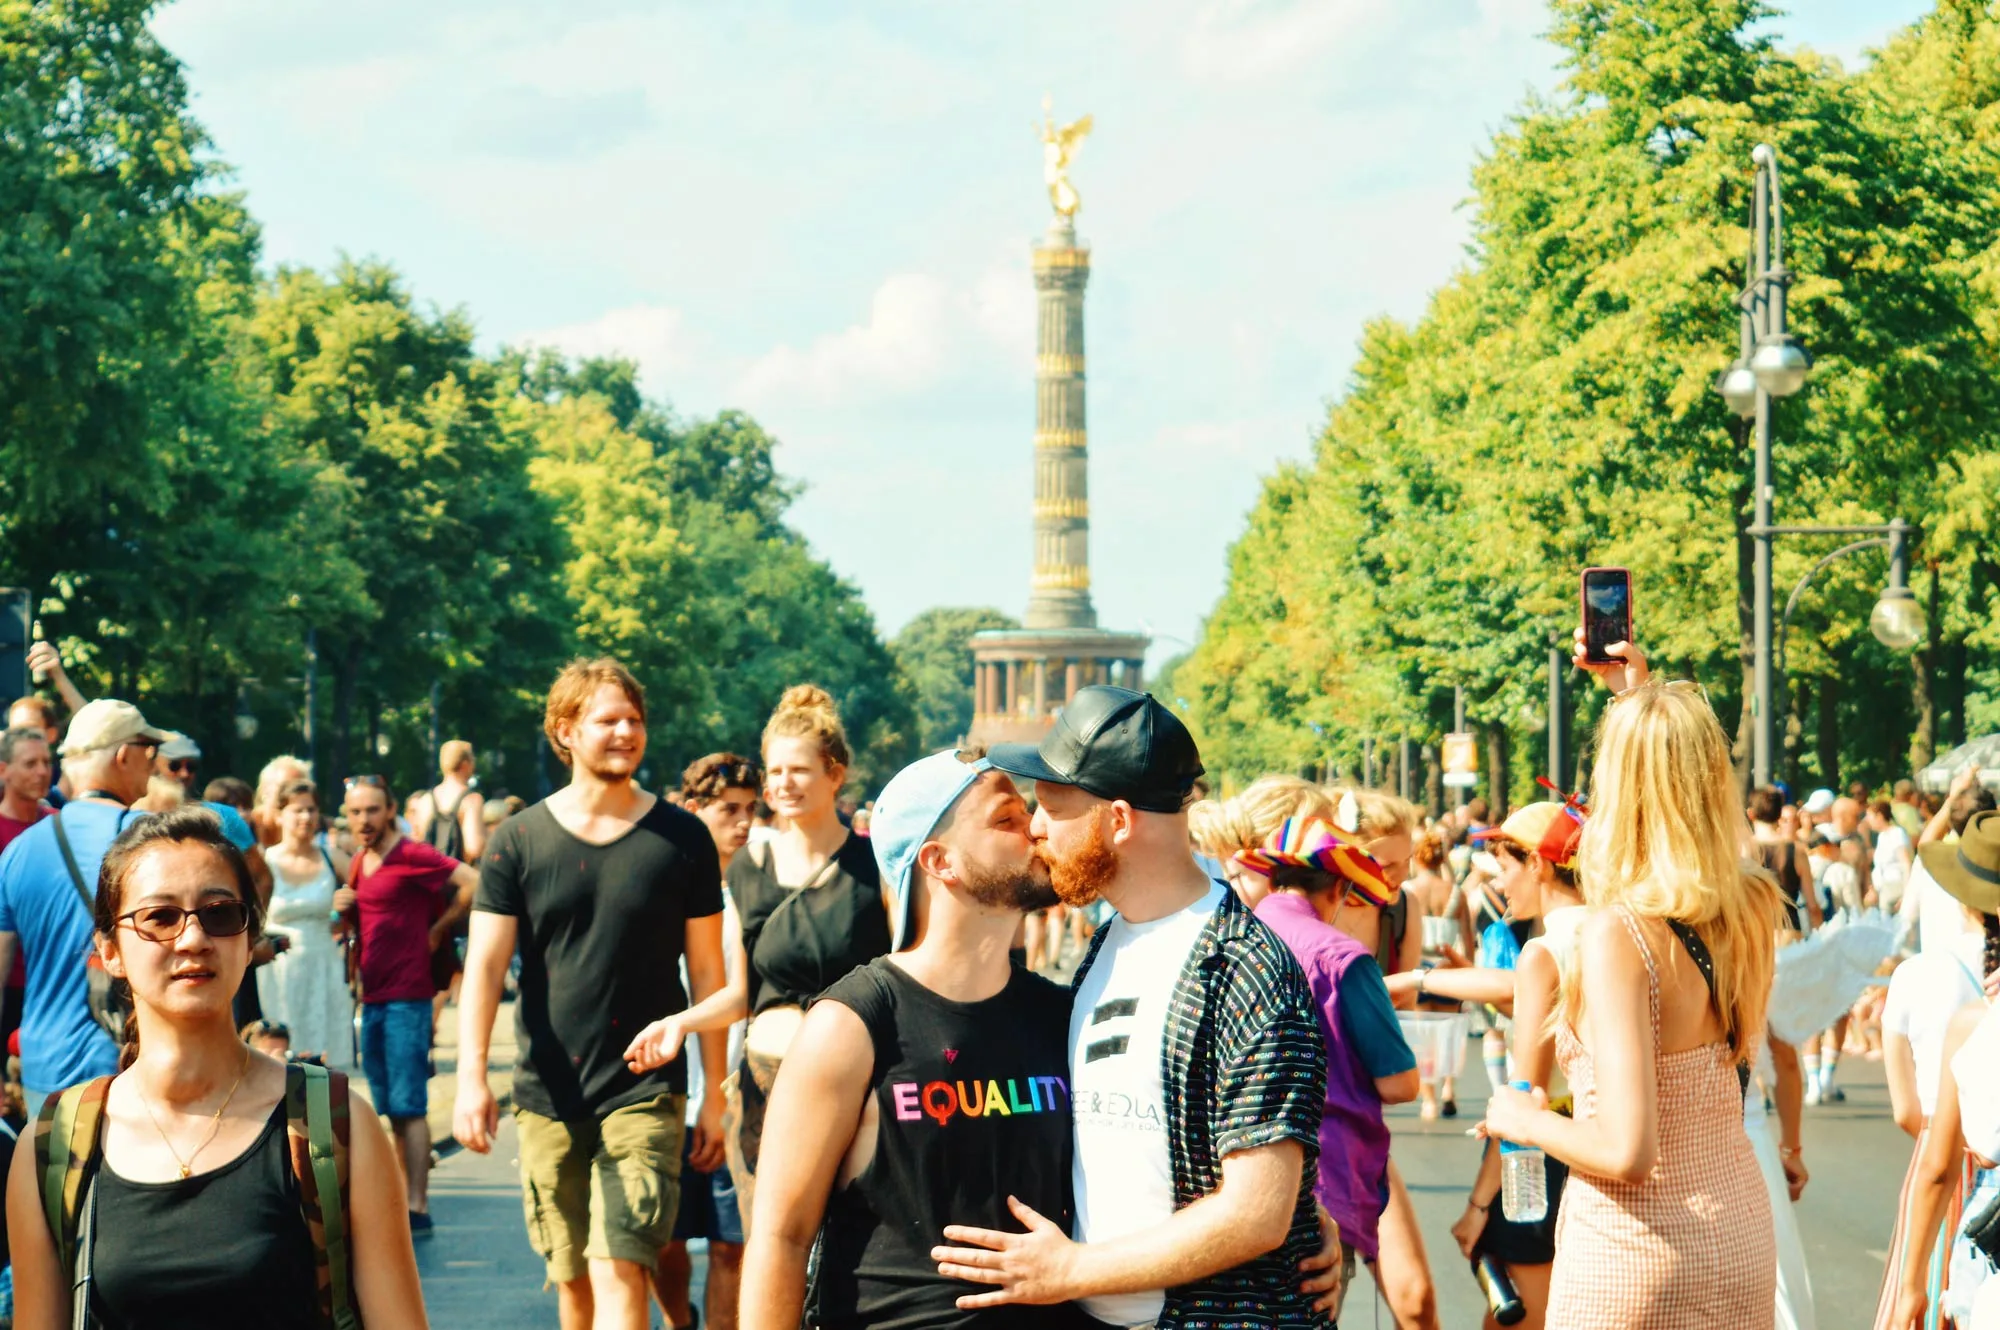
224	1250
800	940
1781	860
938	1160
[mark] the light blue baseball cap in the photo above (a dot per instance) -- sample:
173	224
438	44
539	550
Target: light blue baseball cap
906	812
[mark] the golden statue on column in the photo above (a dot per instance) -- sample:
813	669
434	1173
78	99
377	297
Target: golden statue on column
1059	145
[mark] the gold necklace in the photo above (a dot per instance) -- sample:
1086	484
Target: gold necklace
214	1123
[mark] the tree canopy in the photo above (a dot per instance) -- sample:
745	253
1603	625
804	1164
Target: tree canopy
1554	408
934	651
228	489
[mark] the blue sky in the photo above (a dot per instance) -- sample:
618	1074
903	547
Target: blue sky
822	214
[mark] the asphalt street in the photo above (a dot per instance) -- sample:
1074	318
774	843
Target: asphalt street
1854	1152
478	1270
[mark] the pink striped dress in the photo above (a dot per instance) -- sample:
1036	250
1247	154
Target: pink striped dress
1691	1247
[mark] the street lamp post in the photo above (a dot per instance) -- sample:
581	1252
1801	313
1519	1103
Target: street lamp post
1771	363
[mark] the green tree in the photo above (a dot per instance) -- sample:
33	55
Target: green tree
761	611
1553	408
99	178
934	651
429	499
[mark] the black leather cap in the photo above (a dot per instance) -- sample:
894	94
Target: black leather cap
1116	743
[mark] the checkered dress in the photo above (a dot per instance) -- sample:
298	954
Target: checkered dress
1691	1247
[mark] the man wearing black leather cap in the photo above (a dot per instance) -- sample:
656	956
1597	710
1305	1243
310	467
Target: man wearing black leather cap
1197	1073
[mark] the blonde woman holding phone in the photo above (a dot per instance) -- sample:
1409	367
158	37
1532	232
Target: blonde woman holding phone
1666	1222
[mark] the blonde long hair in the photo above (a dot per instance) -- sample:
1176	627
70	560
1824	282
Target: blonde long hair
1378	814
1664	840
1225	828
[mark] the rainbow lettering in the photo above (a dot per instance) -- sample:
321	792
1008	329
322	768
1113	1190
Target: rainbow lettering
941	1100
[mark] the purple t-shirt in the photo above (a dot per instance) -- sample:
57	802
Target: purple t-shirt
1353	1138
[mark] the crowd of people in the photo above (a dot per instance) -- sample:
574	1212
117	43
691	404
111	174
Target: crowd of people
822	1039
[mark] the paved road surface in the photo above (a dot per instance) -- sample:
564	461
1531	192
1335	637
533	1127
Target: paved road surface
478	1270
1854	1152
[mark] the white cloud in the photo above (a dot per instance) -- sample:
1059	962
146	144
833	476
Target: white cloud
822	214
920	330
655	336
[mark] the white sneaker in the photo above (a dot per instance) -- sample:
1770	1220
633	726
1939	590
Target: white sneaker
1812	1094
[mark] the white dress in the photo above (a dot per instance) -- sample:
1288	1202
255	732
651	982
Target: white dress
306	986
1795	1295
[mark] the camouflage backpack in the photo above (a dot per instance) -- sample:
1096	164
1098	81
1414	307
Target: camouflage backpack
69	1138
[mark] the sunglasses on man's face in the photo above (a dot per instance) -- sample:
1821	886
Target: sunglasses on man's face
182	764
166	923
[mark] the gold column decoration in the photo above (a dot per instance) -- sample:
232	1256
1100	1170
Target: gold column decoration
1060	588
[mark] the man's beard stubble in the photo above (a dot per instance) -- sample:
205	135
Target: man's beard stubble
1025	888
1079	878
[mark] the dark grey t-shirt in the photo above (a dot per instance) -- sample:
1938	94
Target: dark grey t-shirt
602	928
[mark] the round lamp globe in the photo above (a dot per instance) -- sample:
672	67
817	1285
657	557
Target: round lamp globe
1898	621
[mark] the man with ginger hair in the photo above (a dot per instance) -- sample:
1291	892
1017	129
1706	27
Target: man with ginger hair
1196	1063
602	888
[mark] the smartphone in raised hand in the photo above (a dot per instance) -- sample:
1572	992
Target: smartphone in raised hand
1607	611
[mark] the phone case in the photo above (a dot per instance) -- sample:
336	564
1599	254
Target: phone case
1595	641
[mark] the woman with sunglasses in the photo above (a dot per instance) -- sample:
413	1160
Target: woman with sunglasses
196	1216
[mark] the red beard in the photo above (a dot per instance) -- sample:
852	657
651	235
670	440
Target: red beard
1079	877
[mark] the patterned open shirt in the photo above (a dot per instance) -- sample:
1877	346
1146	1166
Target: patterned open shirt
1242	1066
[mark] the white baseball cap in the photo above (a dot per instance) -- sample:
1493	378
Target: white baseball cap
107	723
1818	801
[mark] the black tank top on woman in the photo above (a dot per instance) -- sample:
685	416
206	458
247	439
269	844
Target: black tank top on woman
223	1250
938	1160
1781	859
799	939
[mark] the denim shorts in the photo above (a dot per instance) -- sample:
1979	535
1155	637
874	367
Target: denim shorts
396	1056
708	1203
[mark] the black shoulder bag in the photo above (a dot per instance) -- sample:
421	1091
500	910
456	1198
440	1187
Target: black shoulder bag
1697	951
110	1002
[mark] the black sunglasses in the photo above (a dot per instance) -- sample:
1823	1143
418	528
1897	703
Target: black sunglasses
378	782
183	763
166	923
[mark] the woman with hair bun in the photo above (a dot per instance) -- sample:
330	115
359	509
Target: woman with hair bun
811	904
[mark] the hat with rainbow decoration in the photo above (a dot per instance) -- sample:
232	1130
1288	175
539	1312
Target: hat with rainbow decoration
1314	842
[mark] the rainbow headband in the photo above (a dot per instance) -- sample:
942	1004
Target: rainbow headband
1313	842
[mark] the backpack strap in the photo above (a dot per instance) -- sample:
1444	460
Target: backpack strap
69	862
69	1137
316	1129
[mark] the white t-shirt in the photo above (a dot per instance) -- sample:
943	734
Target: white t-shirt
1925	992
1977	1067
1940	918
1891	864
1839	883
691	1047
1123	1171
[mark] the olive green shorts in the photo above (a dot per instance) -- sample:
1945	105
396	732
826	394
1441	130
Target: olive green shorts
604	1190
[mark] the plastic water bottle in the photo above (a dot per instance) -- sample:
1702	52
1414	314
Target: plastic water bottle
1524	1178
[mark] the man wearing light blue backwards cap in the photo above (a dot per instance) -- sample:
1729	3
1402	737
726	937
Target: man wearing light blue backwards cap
931	1083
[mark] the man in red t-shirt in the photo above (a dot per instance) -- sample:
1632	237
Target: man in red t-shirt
405	897
26	768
